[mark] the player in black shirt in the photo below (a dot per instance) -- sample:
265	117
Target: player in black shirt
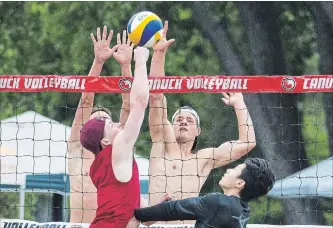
247	181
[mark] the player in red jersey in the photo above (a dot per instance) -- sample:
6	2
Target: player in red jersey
114	171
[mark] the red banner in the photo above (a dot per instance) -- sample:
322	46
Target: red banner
169	84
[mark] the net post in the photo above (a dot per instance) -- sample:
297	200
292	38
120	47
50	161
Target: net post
22	201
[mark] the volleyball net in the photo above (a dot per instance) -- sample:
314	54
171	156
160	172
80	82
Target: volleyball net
20	223
292	118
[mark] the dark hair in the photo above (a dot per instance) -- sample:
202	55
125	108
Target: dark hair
259	178
101	109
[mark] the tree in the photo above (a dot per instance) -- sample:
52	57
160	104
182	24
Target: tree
280	137
322	20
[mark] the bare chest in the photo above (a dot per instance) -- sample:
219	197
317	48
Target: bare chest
176	175
175	167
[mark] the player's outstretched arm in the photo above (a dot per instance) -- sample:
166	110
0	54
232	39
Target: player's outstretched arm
233	150
102	52
122	155
186	209
124	56
160	127
144	204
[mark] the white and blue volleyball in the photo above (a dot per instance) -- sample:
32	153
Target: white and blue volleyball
145	29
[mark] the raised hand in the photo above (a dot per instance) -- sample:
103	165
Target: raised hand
102	48
124	53
141	54
233	99
163	43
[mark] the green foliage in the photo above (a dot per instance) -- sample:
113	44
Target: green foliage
327	207
9	204
9	208
298	32
266	211
30	210
314	128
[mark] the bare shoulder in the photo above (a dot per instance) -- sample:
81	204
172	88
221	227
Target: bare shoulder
204	161
211	152
218	156
205	153
203	157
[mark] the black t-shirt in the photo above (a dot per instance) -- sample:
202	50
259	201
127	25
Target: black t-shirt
214	210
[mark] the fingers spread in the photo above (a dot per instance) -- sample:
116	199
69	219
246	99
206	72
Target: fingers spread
124	37
110	37
104	33
98	34
225	95
118	39
165	29
93	38
225	100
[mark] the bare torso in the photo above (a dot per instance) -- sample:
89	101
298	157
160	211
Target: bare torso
173	173
83	194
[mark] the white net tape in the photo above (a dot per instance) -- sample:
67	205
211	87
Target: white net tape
16	223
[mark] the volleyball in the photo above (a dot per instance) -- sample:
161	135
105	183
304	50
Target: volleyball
145	29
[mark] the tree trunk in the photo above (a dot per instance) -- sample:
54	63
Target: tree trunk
261	22
275	116
217	34
325	48
231	63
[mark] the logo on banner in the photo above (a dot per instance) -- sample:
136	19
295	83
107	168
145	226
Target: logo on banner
125	84
288	84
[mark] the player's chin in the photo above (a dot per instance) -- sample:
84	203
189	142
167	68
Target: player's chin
181	138
221	182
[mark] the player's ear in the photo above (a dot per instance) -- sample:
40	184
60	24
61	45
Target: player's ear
240	184
198	131
105	142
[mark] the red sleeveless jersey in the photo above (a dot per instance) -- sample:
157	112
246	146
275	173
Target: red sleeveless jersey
116	201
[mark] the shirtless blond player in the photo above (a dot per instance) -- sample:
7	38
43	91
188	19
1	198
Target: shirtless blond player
83	197
174	166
